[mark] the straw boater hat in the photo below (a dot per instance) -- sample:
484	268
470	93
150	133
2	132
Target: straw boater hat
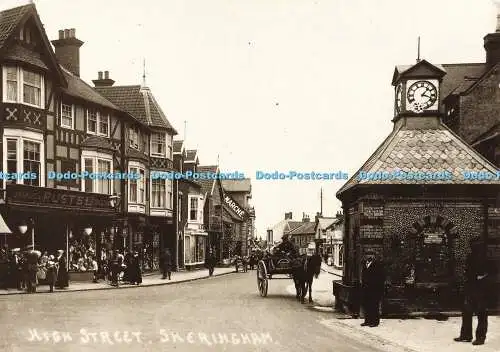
60	251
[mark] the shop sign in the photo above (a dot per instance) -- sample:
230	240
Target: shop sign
57	198
433	238
231	203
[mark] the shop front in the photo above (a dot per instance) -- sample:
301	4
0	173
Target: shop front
80	224
195	246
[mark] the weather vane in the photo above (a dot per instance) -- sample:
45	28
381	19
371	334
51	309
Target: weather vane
497	4
418	50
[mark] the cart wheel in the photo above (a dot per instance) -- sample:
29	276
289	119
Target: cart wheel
262	278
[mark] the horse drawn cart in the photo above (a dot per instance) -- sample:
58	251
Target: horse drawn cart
274	265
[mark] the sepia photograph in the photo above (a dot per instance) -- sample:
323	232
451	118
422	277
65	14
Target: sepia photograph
250	175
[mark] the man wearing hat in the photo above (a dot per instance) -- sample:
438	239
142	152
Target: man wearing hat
475	291
286	246
372	288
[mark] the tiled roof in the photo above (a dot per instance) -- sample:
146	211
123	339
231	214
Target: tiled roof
18	52
97	142
292	225
139	102
207	185
459	77
303	229
190	154
177	148
244	185
422	150
9	20
135	154
80	89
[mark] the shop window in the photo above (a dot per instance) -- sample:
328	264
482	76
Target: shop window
23	86
67	116
82	249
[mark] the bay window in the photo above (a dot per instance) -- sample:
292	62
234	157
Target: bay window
23	155
100	165
158	141
134	137
136	191
23	86
158	193
97	123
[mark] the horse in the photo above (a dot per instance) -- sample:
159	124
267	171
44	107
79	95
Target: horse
304	270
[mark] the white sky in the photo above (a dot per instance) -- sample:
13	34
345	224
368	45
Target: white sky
223	65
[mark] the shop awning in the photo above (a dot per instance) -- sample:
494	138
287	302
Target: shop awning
4	229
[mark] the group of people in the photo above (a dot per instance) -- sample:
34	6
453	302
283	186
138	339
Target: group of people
475	292
122	267
29	268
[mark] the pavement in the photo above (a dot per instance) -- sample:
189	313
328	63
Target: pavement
337	273
224	313
411	335
147	280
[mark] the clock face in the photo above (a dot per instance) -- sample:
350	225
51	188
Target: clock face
422	95
399	97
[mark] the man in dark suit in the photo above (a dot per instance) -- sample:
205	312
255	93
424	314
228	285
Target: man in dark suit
475	290
372	289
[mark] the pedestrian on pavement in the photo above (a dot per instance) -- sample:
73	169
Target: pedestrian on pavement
211	261
52	267
166	264
4	267
62	273
116	267
372	289
135	274
32	263
475	292
95	269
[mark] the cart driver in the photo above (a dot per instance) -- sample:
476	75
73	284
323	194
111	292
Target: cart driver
286	246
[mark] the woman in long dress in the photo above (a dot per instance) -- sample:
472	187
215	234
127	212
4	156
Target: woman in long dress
62	274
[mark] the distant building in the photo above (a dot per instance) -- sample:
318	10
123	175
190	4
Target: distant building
303	234
275	232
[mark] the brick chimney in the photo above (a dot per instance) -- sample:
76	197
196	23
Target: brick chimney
67	49
318	215
305	217
103	81
288	216
492	43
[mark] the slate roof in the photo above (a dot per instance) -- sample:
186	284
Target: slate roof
423	150
305	228
177	148
244	185
206	185
491	133
292	225
139	102
80	89
97	142
9	20
191	155
459	77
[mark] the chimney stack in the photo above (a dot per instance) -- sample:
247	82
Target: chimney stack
305	217
288	216
67	49
492	42
103	82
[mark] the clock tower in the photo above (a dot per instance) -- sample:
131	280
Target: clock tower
417	89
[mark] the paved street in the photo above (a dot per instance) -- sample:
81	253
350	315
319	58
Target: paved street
222	313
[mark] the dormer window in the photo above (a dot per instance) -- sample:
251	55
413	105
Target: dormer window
23	86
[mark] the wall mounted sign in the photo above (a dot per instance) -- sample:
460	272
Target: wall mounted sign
57	198
433	238
235	207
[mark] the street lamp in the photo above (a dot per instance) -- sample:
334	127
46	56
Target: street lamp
87	230
23	228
